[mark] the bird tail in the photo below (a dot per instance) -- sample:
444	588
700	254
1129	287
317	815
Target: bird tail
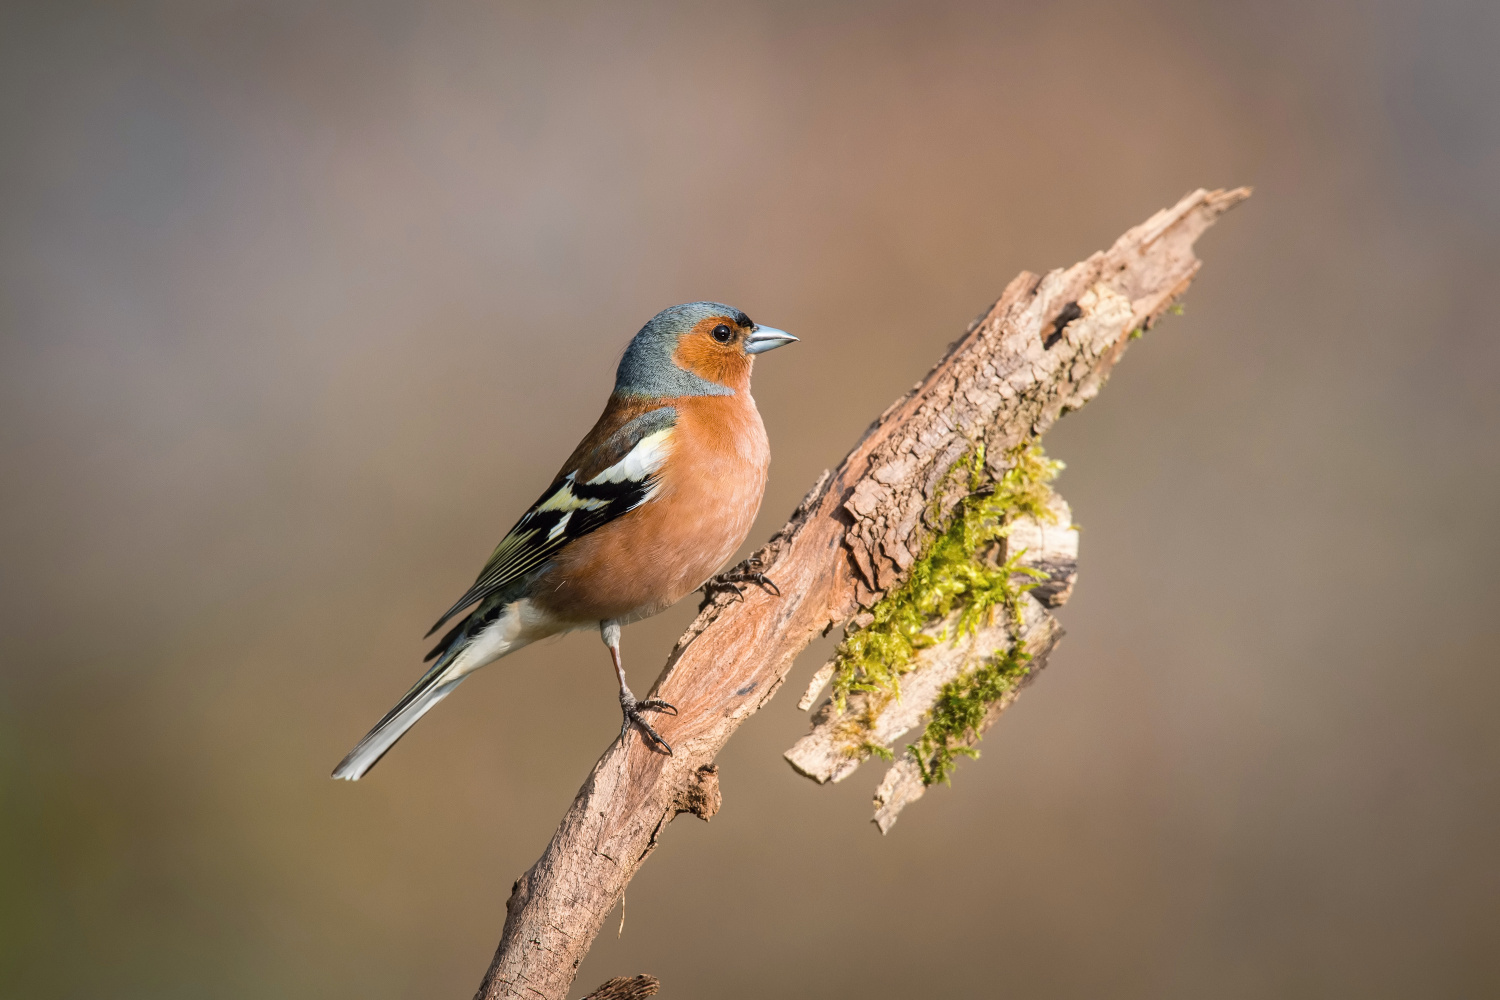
434	686
485	636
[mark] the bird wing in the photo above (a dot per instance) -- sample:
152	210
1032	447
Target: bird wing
607	478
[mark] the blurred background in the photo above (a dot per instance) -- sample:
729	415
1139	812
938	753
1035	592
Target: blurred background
302	303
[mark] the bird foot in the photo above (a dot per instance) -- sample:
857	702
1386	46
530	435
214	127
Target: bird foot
632	711
734	582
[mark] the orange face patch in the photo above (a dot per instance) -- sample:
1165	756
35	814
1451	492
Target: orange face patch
707	356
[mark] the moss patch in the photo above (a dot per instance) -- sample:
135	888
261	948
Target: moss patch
953	574
961	708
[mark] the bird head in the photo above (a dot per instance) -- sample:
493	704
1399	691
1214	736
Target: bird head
695	349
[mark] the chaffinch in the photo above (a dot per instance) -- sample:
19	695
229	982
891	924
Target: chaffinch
651	503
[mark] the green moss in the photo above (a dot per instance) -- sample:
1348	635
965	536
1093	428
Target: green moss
961	708
955	573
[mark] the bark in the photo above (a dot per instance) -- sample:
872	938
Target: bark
1044	348
627	988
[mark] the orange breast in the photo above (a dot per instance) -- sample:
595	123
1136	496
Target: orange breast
665	549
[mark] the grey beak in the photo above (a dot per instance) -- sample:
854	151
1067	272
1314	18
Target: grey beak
767	338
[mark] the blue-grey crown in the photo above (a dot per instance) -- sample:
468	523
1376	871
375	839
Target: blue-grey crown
647	368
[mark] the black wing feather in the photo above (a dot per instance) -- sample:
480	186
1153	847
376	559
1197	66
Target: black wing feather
567	511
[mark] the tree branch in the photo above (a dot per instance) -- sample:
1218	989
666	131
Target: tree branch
1043	349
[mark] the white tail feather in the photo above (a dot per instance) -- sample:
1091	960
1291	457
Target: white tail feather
504	635
384	736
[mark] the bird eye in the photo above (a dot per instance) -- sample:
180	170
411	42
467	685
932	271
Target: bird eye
723	334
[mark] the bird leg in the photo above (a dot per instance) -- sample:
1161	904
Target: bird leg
629	706
734	582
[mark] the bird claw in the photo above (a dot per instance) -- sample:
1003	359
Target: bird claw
734	582
761	580
632	711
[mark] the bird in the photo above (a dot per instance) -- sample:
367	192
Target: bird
648	507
